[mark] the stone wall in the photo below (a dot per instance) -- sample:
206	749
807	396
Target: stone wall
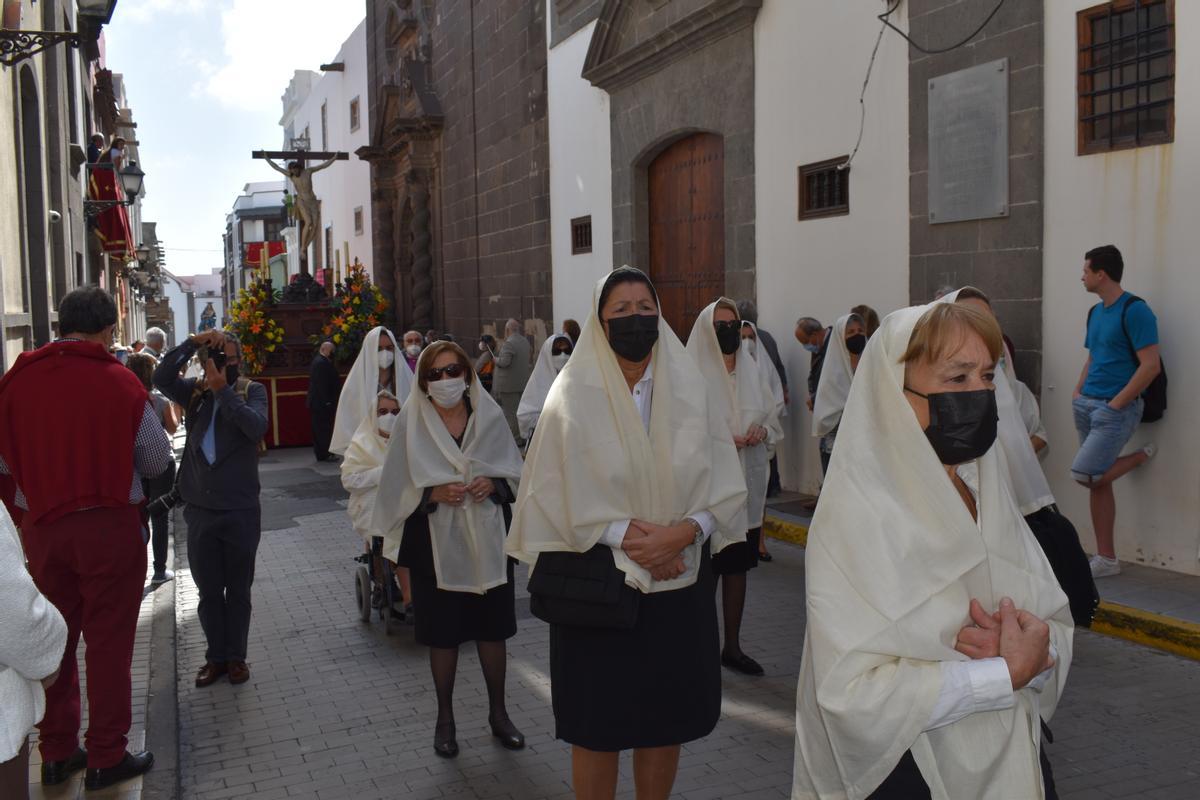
1001	256
569	16
495	195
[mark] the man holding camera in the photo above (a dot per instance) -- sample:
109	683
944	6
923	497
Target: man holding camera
218	481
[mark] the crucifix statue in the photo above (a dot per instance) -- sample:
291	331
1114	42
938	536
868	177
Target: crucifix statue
306	205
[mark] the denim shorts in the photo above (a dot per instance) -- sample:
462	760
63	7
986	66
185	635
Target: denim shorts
1103	434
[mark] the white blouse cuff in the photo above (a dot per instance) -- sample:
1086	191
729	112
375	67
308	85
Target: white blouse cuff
969	687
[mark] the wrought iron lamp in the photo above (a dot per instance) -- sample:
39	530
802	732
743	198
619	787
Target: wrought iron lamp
132	179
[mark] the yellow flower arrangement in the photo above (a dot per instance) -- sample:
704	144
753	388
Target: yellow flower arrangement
258	331
358	306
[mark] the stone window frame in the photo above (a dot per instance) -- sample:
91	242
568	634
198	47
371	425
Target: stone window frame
805	211
581	230
355	117
358	221
1088	142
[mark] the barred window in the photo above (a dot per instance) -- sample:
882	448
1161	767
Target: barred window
824	189
581	235
358	221
354	120
1126	75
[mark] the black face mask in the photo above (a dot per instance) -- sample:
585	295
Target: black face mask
231	374
633	337
857	343
729	338
962	425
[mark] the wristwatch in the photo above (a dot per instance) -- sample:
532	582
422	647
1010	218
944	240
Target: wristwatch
699	530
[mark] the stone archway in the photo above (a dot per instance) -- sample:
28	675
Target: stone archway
686	226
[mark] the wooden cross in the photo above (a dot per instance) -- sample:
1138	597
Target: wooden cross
307	206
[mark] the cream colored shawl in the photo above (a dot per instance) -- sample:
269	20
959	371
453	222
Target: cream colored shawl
468	541
1029	483
592	462
534	396
834	386
357	401
742	400
768	370
893	560
361	470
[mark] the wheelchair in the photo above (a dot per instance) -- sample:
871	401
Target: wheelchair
372	595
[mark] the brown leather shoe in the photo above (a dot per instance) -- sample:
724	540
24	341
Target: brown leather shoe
210	673
238	672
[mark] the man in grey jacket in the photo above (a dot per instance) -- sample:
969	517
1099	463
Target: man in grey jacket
218	480
512	372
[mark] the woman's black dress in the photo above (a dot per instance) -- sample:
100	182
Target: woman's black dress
738	557
448	619
656	685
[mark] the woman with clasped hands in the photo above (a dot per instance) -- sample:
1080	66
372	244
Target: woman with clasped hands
628	458
938	639
449	475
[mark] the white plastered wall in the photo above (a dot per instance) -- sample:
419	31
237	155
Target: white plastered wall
810	60
580	177
1145	201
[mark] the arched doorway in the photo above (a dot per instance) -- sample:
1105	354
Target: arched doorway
687	227
36	272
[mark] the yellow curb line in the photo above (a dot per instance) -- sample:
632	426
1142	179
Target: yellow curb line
1147	628
787	531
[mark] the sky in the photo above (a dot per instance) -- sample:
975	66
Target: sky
204	79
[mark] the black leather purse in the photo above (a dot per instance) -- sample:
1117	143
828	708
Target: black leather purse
583	590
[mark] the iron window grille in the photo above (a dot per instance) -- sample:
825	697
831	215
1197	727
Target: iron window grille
1126	75
358	221
354	115
824	189
581	235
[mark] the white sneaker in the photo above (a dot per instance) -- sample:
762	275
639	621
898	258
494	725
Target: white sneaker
1151	450
1104	567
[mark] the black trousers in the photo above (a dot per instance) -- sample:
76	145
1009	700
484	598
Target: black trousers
160	522
222	546
322	431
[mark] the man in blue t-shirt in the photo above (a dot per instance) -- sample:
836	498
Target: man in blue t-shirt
1122	343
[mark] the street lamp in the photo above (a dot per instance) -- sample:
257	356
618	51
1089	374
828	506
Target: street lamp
132	179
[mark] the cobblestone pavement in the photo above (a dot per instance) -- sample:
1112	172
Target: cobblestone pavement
337	709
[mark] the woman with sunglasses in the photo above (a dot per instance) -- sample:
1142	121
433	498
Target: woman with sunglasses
629	474
741	395
550	361
452	471
361	470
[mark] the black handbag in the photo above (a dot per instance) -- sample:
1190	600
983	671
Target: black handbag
583	590
1060	542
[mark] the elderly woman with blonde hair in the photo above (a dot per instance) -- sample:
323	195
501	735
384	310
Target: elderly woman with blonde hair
938	640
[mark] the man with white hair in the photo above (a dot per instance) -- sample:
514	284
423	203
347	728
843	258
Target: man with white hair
156	340
512	372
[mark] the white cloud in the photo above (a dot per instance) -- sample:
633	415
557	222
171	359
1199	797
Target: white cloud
265	41
145	10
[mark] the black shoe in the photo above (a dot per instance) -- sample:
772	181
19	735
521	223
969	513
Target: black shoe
508	734
131	766
331	459
443	740
56	772
765	557
410	617
742	663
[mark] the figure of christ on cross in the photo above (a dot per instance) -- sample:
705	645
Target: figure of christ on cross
306	205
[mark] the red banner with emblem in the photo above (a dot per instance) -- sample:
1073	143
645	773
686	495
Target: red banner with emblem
254	252
112	224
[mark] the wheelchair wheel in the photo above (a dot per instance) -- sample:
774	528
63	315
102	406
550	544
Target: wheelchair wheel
362	593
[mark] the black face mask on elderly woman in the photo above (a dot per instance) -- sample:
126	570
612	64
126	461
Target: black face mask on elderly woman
962	425
634	336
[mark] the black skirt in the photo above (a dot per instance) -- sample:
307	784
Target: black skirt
738	557
907	783
656	685
449	619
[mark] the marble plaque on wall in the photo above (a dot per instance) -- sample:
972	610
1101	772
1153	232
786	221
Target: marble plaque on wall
968	144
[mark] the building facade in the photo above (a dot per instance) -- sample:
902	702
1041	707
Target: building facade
330	111
459	155
257	220
729	127
56	99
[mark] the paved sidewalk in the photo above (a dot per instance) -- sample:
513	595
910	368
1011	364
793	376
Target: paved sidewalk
336	709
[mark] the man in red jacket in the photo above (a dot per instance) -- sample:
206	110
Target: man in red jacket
77	435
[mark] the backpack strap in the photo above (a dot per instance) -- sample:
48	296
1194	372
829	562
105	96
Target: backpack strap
1133	298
